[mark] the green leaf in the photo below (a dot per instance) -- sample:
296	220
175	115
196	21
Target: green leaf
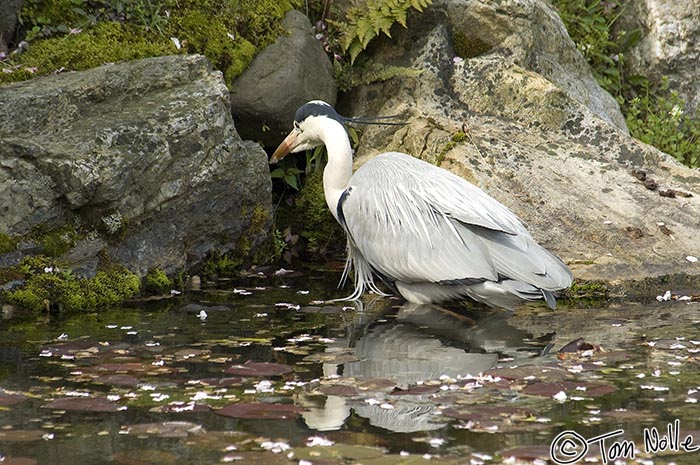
292	180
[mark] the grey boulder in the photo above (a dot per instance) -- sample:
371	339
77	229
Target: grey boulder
284	76
144	154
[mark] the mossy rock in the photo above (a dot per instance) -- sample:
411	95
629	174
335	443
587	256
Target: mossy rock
105	43
7	243
156	282
229	33
50	286
211	37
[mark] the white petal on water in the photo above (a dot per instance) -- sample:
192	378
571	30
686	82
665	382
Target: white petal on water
318	441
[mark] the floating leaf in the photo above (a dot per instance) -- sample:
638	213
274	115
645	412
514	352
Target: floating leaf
7	399
343	390
120	380
583	388
19	435
123	367
416	390
260	411
250	368
539	372
87	404
181	407
220	382
188	354
338	451
165	429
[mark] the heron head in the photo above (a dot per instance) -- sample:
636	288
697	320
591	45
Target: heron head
306	134
309	122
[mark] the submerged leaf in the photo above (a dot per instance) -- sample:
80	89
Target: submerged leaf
251	368
260	411
166	429
87	404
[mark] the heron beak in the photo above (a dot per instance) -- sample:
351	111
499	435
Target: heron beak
285	147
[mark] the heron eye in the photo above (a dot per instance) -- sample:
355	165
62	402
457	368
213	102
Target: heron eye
296	126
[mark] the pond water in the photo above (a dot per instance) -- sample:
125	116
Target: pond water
264	371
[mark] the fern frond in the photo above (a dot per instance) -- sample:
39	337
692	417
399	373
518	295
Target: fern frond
369	18
400	17
420	4
383	24
354	49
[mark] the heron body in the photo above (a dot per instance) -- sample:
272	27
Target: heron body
428	234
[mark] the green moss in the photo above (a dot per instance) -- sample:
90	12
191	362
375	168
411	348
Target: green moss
459	136
259	221
456	138
156	282
105	43
7	243
56	243
218	265
210	36
229	33
63	290
592	293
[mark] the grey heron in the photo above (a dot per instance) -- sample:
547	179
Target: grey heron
428	234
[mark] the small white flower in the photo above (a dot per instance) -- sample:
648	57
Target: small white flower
560	396
676	112
202	315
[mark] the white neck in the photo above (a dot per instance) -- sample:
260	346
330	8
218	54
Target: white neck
338	171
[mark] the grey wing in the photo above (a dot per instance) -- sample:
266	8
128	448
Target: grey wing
414	222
